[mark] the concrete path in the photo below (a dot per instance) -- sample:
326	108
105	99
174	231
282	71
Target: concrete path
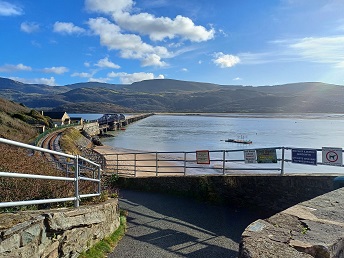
167	226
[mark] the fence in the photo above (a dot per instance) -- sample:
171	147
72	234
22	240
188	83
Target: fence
223	162
78	165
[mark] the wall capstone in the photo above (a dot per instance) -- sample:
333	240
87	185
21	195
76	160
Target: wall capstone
62	232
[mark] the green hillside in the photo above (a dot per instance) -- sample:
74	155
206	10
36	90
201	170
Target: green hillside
166	95
17	121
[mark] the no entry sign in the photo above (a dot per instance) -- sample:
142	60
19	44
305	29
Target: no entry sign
332	156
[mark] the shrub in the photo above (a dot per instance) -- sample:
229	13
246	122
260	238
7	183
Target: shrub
19	160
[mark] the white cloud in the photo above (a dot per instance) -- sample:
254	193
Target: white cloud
8	68
103	80
35	43
259	58
163	27
324	50
320	50
47	81
126	78
153	60
157	28
106	63
123	33
185	70
87	64
82	75
29	27
237	79
224	60
57	70
67	28
129	45
8	9
109	6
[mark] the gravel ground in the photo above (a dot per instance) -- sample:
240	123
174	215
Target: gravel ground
162	226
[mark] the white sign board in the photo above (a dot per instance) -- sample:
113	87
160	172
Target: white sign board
332	156
250	156
202	157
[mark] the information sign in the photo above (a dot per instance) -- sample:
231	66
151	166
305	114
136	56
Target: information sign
250	156
266	156
332	156
304	156
202	157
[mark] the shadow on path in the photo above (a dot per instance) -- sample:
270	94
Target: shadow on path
162	225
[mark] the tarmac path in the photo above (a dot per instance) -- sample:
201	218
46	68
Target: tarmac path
162	226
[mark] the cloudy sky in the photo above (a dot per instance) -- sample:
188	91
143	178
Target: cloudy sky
230	42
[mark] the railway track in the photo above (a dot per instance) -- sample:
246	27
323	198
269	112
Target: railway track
51	142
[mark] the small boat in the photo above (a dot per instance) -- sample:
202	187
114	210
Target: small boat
241	141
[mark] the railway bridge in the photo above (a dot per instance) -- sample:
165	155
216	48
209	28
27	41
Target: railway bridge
118	121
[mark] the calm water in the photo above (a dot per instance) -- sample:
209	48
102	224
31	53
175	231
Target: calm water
194	132
190	133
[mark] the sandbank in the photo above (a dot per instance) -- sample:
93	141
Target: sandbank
133	163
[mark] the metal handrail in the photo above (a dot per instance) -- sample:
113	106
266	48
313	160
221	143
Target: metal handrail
75	179
144	161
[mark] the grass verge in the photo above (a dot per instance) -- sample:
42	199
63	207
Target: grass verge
106	245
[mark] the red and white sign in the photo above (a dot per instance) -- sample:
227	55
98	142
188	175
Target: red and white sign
332	156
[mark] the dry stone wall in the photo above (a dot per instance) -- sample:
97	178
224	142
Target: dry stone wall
56	233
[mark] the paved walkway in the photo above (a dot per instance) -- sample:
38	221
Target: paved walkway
168	226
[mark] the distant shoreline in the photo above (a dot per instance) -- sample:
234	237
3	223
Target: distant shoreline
262	115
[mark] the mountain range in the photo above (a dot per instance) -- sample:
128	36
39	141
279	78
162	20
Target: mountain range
167	95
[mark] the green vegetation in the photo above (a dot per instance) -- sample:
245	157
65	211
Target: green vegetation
17	122
106	245
69	139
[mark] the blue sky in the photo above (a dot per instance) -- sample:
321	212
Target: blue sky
229	42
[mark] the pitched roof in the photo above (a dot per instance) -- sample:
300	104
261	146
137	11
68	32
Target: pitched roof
54	115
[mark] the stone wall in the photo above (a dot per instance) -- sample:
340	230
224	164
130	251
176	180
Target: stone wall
56	233
271	193
91	128
314	228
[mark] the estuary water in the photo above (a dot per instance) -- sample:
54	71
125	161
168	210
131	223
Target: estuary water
207	132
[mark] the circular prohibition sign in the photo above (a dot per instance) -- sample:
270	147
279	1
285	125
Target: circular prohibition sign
331	156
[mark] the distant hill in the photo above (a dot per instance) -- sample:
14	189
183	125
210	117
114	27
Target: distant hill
166	95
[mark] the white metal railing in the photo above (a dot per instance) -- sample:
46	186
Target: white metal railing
79	164
185	163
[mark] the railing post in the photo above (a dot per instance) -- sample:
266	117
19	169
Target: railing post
76	183
156	164
135	165
282	162
224	163
117	164
184	163
104	162
99	176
